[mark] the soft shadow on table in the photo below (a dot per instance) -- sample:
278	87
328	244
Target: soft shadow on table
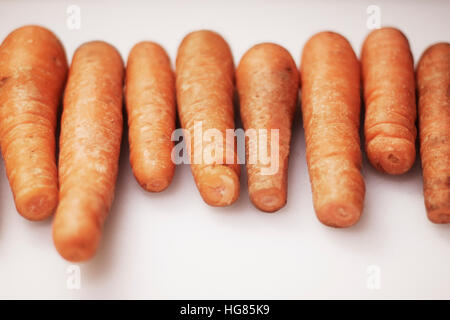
8	208
98	267
244	205
370	212
100	264
442	230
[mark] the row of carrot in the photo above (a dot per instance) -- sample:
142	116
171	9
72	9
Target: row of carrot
33	74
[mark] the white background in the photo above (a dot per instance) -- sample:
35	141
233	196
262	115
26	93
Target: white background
172	245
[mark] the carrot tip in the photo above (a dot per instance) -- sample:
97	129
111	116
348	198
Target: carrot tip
76	243
219	185
76	249
339	215
268	200
439	216
391	155
154	184
37	206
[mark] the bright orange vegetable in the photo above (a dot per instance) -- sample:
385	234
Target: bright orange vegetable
91	132
433	83
267	82
33	70
150	97
205	84
389	93
331	109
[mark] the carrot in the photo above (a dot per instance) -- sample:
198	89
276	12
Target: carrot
150	100
267	82
389	93
33	70
91	130
433	83
204	86
331	108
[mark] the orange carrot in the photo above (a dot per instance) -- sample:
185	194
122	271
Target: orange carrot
91	131
389	93
33	70
267	82
150	100
331	108
204	85
433	83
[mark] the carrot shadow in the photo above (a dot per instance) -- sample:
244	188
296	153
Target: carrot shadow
98	266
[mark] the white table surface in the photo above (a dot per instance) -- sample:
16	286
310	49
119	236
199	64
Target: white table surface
172	245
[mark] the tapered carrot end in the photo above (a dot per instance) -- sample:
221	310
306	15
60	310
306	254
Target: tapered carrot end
339	215
218	185
78	243
38	204
153	181
155	185
391	155
440	216
76	232
269	199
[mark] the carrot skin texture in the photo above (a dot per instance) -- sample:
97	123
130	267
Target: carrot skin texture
433	84
33	70
331	108
204	86
150	101
267	82
389	93
91	131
